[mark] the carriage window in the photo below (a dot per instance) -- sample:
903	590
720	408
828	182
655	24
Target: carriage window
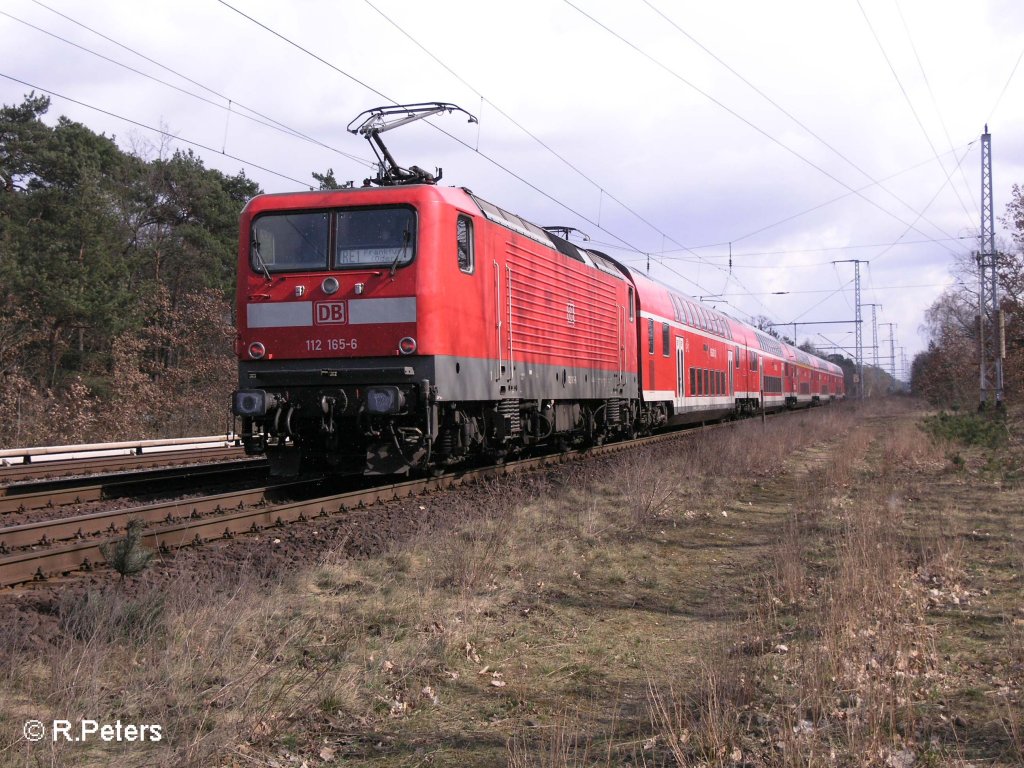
650	336
464	242
289	241
693	381
664	339
375	237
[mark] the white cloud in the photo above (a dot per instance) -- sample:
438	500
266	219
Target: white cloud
693	168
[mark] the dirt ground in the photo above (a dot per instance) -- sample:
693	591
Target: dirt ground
841	587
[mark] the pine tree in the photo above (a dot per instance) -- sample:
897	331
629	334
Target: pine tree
127	556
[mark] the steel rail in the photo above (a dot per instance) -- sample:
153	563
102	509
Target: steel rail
43	494
135	446
221	524
65	467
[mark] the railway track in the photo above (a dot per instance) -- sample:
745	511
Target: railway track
52	548
13	473
44	494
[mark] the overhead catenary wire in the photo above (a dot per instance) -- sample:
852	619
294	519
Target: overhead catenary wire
809	291
483	99
162	132
741	118
581	173
705	257
875	182
935	103
602	190
1006	85
910	103
460	141
497	164
230	105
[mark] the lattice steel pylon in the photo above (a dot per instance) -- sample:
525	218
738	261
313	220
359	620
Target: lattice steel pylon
857	323
990	331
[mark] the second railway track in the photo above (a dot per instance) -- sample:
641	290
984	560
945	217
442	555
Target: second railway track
43	494
51	548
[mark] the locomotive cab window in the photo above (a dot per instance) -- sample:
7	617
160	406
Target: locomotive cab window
374	237
464	243
283	242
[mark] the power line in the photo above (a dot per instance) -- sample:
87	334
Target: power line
935	103
1006	85
260	119
910	104
793	118
151	128
524	129
830	290
741	118
825	204
475	150
824	249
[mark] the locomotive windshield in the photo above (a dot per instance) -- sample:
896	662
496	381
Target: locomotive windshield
374	237
362	237
290	241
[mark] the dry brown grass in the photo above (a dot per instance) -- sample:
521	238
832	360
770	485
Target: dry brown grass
705	604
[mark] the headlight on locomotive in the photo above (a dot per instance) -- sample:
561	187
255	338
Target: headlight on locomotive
384	400
249	402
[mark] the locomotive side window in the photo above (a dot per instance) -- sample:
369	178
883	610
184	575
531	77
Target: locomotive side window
375	237
631	308
464	243
289	241
650	336
664	339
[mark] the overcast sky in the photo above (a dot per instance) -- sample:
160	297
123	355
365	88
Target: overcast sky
800	132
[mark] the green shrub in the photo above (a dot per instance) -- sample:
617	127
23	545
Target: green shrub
985	430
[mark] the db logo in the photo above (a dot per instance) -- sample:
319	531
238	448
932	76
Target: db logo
330	312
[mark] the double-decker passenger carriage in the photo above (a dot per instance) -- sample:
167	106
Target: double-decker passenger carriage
407	326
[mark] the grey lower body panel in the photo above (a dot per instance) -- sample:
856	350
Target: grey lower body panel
456	379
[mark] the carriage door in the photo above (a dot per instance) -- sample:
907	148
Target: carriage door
680	370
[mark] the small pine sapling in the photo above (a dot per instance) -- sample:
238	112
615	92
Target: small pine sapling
127	556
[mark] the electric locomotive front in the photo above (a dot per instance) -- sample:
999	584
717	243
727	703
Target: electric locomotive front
415	326
328	312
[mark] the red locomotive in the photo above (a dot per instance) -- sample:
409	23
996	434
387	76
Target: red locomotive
413	326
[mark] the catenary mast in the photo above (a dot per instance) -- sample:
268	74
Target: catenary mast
990	326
